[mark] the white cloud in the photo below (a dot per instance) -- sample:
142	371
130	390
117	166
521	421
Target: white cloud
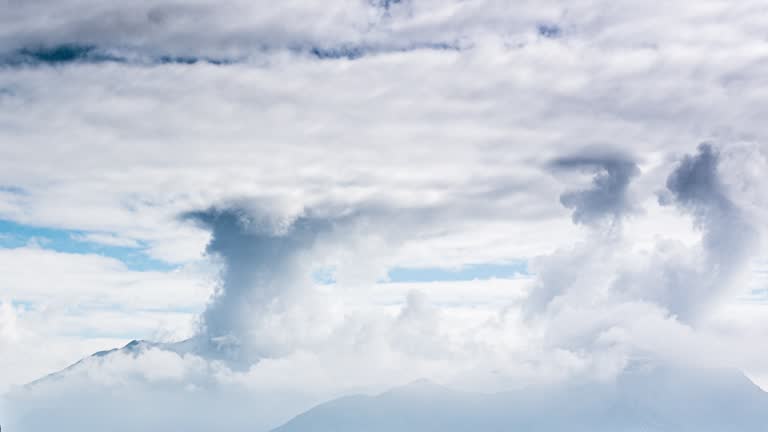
72	305
8	331
106	239
97	281
430	157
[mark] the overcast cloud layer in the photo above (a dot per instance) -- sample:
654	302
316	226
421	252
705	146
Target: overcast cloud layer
243	185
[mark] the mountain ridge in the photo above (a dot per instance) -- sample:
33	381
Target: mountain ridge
645	397
662	399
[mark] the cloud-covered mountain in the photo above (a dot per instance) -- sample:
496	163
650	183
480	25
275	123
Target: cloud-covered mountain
646	396
147	386
658	399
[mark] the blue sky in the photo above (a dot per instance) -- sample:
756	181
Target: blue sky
14	235
467	272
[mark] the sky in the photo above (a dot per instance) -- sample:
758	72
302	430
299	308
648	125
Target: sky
314	198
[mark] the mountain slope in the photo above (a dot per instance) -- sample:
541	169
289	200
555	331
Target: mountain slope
210	349
659	400
644	398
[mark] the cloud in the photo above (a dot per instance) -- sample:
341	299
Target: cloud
268	304
453	147
729	239
164	390
266	265
50	32
60	307
580	290
107	239
370	345
696	187
8	331
607	198
695	183
96	280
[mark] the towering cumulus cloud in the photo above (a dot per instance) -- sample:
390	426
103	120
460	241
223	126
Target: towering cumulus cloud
728	238
266	264
607	196
696	187
601	206
685	281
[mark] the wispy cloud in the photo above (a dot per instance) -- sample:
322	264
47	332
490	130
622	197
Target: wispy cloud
106	239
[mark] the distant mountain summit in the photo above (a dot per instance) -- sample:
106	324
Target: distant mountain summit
220	349
654	399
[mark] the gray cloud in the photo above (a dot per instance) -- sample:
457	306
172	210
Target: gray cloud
170	32
236	29
607	196
695	186
265	262
686	281
728	237
689	281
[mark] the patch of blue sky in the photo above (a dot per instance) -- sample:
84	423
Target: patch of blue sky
15	235
324	276
470	272
23	304
759	295
754	296
484	271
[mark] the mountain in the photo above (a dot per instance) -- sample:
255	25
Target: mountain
644	398
141	386
658	399
219	349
